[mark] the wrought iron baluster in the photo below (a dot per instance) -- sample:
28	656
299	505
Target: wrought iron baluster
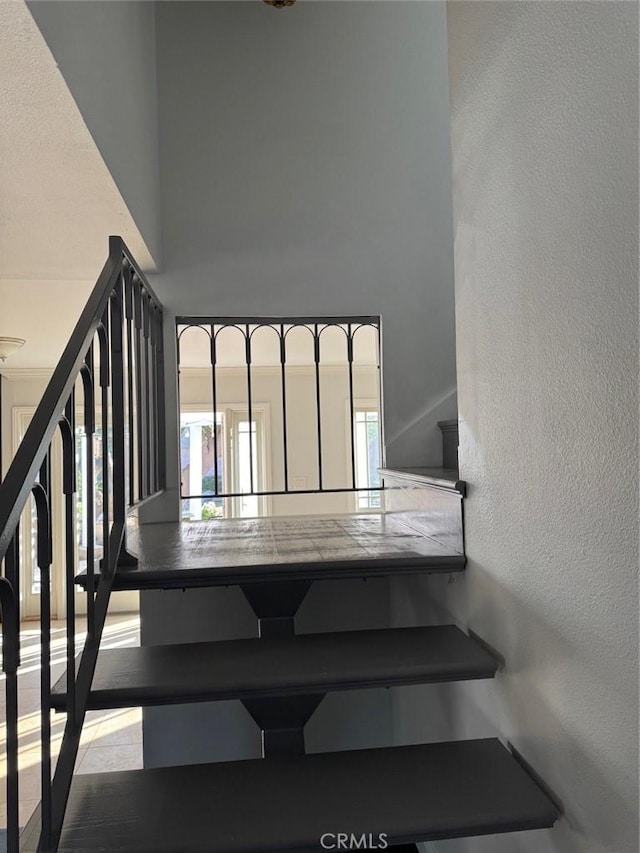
105	377
42	496
153	466
352	426
12	568
67	430
147	401
283	375
10	610
9	607
128	313
316	357
160	409
87	374
116	319
249	405
178	382
214	400
44	479
141	425
381	445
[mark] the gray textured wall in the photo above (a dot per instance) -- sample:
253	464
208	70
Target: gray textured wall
305	170
545	169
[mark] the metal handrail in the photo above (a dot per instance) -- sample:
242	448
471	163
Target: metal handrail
124	316
16	485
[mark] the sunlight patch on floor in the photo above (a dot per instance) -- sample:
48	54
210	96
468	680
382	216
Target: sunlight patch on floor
111	740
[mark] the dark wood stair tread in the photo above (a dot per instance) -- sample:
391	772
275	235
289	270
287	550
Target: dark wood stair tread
410	793
307	663
231	551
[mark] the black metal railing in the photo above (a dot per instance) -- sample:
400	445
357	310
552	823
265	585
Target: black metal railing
114	362
349	328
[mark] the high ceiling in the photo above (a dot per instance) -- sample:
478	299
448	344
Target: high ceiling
58	201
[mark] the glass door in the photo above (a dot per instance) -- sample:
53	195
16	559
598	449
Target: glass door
203	465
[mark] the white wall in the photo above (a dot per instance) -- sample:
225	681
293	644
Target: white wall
59	201
305	170
106	53
44	314
545	168
20	390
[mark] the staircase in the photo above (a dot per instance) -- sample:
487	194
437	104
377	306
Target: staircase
287	800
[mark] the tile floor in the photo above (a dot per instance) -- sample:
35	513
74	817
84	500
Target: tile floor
111	740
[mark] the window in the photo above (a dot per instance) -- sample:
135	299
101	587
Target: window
82	476
366	433
221	458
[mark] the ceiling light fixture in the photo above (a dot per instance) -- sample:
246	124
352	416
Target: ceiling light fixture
8	346
279	4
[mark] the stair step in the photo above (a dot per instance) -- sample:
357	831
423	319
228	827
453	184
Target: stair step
234	551
306	663
409	793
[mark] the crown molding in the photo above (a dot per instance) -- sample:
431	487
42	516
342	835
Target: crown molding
274	370
14	374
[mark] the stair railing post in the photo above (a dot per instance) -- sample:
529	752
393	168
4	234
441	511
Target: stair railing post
119	417
117	405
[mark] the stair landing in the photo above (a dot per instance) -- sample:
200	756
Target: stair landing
227	551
